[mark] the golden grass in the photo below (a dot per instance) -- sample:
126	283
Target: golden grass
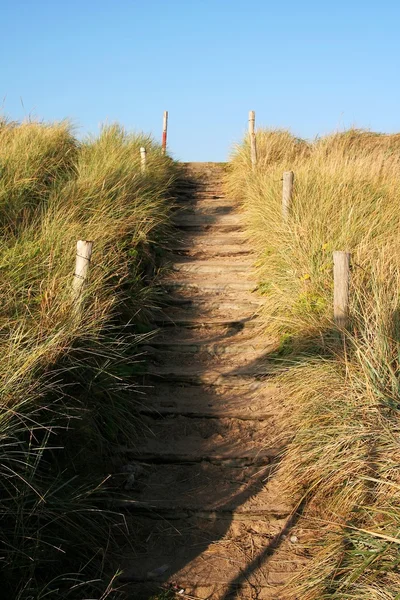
344	454
67	376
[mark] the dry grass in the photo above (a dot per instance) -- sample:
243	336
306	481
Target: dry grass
345	450
66	377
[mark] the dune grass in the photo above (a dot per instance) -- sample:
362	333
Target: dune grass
67	376
343	457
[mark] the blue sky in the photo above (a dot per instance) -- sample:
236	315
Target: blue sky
310	66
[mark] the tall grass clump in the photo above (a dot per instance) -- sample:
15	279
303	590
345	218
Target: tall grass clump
67	376
34	159
344	390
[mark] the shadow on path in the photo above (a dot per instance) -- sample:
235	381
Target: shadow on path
205	494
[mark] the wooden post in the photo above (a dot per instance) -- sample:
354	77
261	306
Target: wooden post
252	138
164	133
341	284
143	159
287	193
83	255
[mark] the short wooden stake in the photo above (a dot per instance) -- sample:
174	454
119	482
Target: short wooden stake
341	286
143	159
252	138
287	193
83	254
164	133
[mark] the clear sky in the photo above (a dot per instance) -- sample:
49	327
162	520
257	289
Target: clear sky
309	65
